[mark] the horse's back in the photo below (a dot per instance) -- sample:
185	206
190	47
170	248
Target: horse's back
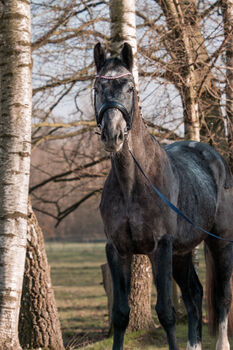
198	156
206	185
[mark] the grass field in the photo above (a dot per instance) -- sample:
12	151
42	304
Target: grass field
82	304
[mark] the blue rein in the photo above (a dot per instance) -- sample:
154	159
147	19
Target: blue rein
173	207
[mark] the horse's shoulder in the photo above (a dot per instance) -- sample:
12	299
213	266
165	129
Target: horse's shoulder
111	193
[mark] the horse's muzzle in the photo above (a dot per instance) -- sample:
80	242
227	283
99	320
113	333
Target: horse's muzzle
112	142
113	130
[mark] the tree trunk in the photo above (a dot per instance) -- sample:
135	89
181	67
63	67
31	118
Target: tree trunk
139	299
191	114
39	325
15	146
227	10
123	29
191	73
140	295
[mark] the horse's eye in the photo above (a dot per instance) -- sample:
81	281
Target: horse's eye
130	88
98	88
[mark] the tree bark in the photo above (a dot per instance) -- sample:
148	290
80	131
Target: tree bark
140	294
139	299
227	10
39	325
15	146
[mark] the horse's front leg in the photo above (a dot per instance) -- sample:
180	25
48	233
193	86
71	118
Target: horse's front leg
162	269
120	271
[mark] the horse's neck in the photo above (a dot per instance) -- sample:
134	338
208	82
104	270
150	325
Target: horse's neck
148	153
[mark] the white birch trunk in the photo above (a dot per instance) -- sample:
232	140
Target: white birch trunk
15	145
123	29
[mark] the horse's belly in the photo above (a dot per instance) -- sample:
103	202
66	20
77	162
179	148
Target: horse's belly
181	246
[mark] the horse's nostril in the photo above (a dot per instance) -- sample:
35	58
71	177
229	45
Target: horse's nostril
121	136
103	137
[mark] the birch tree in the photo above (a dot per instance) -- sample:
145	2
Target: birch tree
123	29
15	144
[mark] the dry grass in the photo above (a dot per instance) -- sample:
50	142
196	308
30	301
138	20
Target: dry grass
81	300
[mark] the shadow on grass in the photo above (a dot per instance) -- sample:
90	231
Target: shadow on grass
90	308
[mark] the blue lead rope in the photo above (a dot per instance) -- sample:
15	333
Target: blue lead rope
173	207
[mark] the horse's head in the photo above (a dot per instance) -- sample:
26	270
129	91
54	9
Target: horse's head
114	91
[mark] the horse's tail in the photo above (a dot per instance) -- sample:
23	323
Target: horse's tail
211	304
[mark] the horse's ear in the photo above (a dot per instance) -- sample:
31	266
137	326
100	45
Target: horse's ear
99	56
127	56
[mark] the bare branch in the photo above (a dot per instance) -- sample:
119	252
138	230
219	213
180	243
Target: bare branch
80	177
74	206
60	137
66	173
207	11
81	76
91	123
52	108
62	19
45	212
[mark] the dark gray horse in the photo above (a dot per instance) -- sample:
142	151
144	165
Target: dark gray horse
193	176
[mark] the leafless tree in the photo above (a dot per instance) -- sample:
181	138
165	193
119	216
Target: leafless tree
15	144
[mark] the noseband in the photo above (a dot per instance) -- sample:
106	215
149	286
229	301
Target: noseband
114	104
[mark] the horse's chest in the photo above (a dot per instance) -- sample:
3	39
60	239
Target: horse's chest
131	227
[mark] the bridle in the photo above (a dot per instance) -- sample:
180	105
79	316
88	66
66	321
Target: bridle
111	103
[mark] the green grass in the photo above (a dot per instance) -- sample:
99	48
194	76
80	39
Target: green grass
82	303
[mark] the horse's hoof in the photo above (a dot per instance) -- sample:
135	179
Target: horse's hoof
193	347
